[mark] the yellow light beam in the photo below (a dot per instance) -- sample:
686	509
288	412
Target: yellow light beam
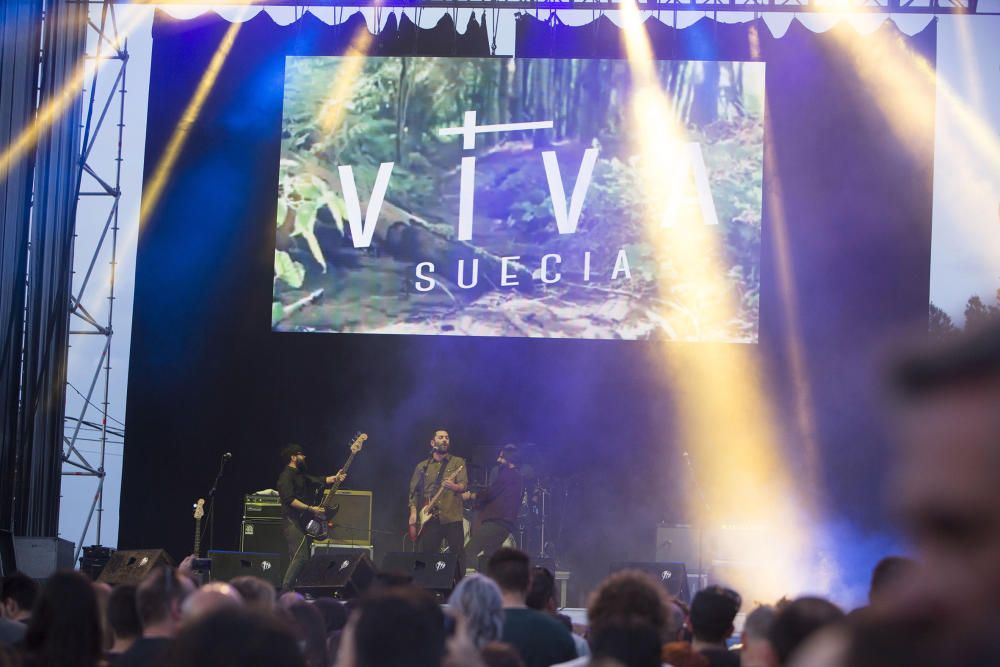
334	108
164	167
900	79
58	104
904	86
724	417
789	300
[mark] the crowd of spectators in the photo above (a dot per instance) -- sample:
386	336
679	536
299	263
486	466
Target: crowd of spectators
938	608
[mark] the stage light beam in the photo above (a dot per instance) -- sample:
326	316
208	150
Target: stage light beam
794	347
59	103
725	420
918	106
156	185
334	108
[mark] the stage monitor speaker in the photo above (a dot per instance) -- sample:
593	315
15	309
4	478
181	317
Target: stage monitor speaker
227	565
673	576
345	575
8	558
483	562
263	536
435	572
131	566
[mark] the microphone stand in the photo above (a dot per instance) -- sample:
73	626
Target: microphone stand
211	503
700	526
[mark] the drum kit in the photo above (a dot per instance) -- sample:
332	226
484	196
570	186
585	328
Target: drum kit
538	521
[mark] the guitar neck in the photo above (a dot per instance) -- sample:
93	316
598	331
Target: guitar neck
197	538
437	496
328	501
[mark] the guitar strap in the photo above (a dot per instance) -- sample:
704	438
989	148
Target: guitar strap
437	481
418	495
444	464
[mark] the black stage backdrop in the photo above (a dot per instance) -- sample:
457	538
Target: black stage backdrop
208	376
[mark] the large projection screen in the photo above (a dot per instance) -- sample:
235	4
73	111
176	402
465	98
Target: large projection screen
504	197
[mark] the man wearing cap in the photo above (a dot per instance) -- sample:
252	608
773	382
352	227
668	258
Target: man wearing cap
298	492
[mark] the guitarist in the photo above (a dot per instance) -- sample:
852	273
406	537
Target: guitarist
297	491
440	469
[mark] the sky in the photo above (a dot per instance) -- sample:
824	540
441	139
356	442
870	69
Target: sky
966	226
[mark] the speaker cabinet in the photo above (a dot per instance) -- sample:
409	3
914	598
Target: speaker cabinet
434	571
263	536
131	566
344	575
673	576
353	522
228	565
94	559
41	557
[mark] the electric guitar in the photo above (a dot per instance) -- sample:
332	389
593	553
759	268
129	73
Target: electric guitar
429	510
199	512
318	528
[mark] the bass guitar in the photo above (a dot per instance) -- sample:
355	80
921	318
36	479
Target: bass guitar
429	510
318	528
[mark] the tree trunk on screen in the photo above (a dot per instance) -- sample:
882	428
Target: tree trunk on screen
573	110
402	98
705	105
540	108
503	101
587	110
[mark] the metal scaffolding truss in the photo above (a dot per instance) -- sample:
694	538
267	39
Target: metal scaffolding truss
99	191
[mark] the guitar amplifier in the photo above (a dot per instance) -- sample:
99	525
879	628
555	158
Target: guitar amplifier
263	536
353	523
261	506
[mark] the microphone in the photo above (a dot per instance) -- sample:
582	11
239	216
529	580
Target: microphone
227	456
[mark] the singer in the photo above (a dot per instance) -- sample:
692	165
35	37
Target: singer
437	485
299	493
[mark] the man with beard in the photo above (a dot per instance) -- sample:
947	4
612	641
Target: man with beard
945	488
299	493
446	473
498	506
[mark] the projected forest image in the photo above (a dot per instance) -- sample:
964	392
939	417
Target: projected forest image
503	197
